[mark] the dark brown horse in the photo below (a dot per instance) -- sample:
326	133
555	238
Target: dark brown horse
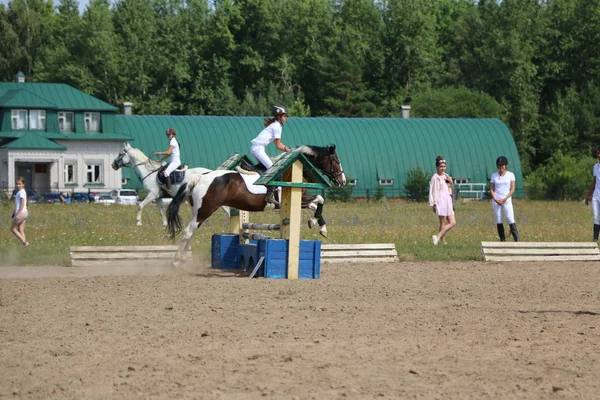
215	189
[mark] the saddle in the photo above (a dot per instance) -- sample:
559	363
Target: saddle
176	176
258	167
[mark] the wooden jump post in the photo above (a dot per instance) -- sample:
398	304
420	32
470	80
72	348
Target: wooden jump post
290	167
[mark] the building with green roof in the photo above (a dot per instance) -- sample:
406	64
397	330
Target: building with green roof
60	138
56	137
376	153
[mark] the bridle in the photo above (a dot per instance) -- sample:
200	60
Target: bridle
119	163
333	158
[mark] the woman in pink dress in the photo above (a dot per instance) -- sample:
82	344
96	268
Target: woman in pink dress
441	188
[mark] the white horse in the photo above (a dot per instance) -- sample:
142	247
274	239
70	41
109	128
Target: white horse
146	169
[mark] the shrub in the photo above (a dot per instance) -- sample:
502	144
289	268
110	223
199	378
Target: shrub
417	184
343	194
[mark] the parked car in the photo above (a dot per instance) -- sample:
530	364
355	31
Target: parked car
32	196
126	197
51	198
81	198
104	198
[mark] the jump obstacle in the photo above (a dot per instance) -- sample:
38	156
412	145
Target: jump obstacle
540	251
87	256
353	253
287	257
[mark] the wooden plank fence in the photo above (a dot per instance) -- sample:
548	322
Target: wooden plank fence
104	255
540	251
352	253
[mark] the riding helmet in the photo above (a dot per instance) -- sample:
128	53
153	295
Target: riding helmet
502	161
278	110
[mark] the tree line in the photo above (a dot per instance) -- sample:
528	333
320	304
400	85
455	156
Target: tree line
535	64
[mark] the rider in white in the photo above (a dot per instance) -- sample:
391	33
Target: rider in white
172	154
593	195
271	134
502	187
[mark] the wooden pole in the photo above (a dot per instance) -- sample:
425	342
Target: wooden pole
290	209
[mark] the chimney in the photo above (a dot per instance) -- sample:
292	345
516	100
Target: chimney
20	77
405	112
127	108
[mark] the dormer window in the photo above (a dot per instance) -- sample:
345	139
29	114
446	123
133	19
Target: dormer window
18	119
37	120
66	121
92	121
28	119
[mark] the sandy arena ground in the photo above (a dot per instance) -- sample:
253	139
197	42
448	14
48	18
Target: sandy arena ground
464	330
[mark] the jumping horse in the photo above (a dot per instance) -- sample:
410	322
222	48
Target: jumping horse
207	192
146	169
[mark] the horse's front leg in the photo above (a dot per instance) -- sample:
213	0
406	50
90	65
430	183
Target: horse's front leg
317	206
149	198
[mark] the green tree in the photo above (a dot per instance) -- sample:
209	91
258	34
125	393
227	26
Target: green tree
417	184
455	103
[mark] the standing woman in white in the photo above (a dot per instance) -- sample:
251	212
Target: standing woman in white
593	195
172	154
502	187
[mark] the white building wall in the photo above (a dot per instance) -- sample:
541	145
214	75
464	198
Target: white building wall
79	153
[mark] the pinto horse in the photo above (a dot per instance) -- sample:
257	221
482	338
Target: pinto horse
146	169
208	192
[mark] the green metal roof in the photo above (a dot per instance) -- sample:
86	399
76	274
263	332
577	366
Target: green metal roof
23	98
33	142
369	148
49	95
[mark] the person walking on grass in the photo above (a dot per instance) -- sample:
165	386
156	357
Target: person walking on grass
502	187
441	188
593	196
20	214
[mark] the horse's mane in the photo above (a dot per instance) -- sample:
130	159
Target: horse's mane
313	151
142	158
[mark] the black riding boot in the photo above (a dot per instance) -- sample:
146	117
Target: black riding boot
270	196
501	232
168	182
596	232
514	231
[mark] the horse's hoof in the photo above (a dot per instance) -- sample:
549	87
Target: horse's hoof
323	232
312	222
176	264
139	223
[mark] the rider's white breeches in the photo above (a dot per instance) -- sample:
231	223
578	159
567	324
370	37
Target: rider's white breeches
507	208
261	155
596	210
172	167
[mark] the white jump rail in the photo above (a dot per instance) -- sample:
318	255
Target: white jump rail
83	256
353	253
540	251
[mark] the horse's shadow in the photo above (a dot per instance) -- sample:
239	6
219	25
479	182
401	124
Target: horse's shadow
222	273
581	312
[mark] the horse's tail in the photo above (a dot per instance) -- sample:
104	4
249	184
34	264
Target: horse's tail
173	218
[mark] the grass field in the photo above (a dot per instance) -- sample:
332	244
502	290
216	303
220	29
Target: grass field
51	228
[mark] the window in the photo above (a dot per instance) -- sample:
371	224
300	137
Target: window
460	181
70	173
32	119
92	121
18	119
94	173
66	121
353	182
386	182
37	119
